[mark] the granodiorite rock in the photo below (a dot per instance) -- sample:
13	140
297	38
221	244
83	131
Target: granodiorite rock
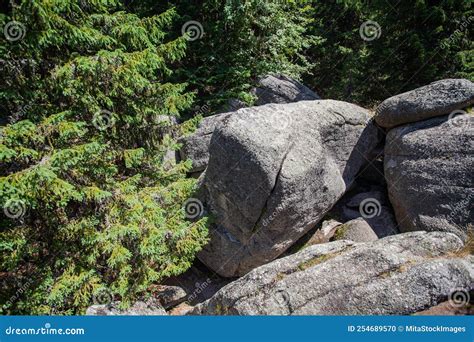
397	275
270	89
428	168
435	99
274	172
282	89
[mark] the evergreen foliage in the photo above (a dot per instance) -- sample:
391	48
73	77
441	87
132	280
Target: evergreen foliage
419	42
241	41
91	205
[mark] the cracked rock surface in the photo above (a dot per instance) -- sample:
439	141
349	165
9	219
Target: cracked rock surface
435	99
396	275
270	89
428	168
274	171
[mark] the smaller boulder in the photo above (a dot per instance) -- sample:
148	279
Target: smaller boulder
325	233
435	99
181	310
170	296
357	230
372	204
281	89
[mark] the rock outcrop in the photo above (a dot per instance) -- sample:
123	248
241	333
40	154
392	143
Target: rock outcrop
140	308
396	275
196	146
438	98
281	89
274	172
270	89
428	167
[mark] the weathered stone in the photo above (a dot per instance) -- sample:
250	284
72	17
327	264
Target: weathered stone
140	308
428	167
169	296
271	89
435	99
181	310
370	203
449	308
396	275
274	172
196	146
357	230
282	89
325	233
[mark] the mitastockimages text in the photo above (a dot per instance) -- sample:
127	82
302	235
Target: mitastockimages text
435	328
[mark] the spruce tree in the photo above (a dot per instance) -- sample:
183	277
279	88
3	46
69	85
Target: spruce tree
91	206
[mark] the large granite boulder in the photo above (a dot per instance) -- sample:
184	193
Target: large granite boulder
438	98
396	275
270	89
429	170
281	89
274	172
196	145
